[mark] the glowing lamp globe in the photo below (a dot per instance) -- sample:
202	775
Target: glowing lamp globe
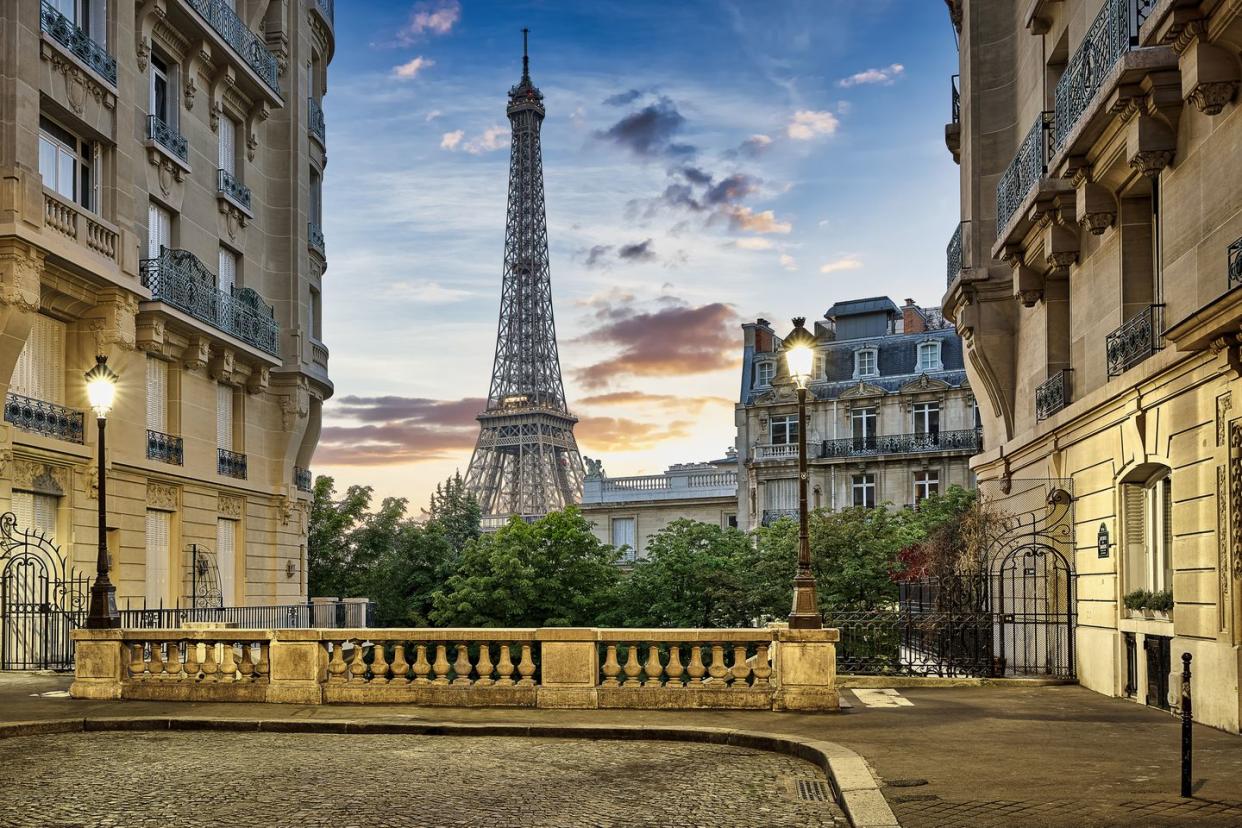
800	353
101	387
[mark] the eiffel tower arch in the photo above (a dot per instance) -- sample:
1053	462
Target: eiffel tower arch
526	461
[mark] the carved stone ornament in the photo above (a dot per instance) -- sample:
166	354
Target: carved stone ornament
162	496
20	266
1210	97
78	84
40	478
259	380
230	506
90	480
1097	223
1235	497
1222	547
286	507
6	458
189	88
1060	262
1224	404
142	51
197	353
1151	162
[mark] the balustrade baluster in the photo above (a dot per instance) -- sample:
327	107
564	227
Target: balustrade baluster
263	668
173	663
504	667
399	666
526	667
192	663
379	663
156	665
632	667
653	668
137	662
228	663
421	666
441	665
336	665
741	668
763	667
209	668
357	667
717	670
461	666
484	666
611	668
696	669
245	664
674	670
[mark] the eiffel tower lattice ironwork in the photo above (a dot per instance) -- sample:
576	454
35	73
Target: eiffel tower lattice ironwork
526	461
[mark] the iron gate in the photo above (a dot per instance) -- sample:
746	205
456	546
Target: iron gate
42	600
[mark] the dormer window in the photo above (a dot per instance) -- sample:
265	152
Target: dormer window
929	357
764	372
866	363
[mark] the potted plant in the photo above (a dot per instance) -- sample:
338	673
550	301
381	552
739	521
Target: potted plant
1135	602
1160	603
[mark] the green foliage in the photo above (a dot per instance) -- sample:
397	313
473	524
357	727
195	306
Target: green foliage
1141	599
1137	599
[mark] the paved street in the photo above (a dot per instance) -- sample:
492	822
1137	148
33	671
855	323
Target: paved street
305	780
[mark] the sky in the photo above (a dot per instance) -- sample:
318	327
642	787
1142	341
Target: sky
705	163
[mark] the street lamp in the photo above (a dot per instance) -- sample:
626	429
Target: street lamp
799	357
101	391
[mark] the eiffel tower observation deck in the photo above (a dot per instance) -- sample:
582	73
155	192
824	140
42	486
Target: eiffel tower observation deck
526	461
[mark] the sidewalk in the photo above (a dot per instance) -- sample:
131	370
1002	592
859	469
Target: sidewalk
1055	756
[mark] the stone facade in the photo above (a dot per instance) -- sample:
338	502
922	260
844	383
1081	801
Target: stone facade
890	413
159	204
1095	292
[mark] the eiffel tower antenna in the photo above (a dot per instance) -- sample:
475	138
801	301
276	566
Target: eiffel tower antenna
526	461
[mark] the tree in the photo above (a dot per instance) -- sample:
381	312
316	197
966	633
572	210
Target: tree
330	568
455	511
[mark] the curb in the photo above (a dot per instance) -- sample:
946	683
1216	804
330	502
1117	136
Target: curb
873	682
857	790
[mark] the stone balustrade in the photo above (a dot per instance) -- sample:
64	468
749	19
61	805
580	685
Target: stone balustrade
552	667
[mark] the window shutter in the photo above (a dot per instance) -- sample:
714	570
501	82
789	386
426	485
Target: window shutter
1135	523
159	541
159	230
227	129
157	394
226	558
40	369
224	417
228	269
1166	553
23	510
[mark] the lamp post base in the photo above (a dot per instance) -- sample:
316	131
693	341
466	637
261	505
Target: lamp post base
103	614
805	614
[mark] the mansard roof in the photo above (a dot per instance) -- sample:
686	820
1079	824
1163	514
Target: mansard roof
854	307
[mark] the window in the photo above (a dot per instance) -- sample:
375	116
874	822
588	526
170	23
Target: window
863	487
226	559
157	395
927	418
862	426
225	437
159	230
929	357
316	198
926	484
40	369
764	372
68	164
783	430
87	15
228	270
161	99
36	513
730	521
866	363
623	537
159	555
228	145
780	496
316	315
1149	534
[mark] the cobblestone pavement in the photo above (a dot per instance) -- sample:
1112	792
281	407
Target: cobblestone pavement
306	780
929	811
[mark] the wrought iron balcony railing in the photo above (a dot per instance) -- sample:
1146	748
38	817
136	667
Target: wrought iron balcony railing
302	478
955	84
931	441
771	516
315	234
165	447
40	417
1028	166
178	278
326	8
168	138
231	464
248	45
316	123
1113	33
65	32
953	253
1136	340
1235	263
1052	395
230	186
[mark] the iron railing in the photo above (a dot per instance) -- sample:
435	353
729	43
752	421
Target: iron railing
1113	33
1136	340
230	186
953	253
326	8
248	45
931	441
180	279
315	234
955	88
165	447
1028	166
302	478
40	417
65	32
1052	395
315	121
1235	263
308	615
167	137
771	516
231	464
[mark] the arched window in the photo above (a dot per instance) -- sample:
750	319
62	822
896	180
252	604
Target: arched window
1148	507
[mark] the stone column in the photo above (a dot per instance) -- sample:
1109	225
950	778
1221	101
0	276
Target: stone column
298	661
98	664
570	667
806	669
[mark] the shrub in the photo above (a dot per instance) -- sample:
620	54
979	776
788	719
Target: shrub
1137	599
1160	601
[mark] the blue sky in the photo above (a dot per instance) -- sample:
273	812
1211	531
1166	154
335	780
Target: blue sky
705	163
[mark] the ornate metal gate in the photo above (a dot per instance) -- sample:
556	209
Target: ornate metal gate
41	601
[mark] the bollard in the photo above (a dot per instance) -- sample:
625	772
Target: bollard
1186	725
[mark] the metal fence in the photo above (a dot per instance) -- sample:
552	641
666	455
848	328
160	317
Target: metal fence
312	614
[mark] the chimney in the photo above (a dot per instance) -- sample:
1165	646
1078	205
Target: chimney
912	319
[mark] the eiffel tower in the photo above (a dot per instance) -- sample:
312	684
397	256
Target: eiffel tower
526	461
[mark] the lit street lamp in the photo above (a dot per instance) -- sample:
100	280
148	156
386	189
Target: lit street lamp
101	391
799	357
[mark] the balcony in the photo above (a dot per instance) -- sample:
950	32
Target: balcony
63	30
1136	340
80	225
231	188
179	279
231	464
165	447
248	45
48	419
1235	264
314	235
326	9
1052	395
315	123
168	138
302	479
953	129
675	484
953	253
771	516
1024	172
927	442
777	451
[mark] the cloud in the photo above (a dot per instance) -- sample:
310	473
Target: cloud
450	140
391	430
597	255
432	115
755	145
620	434
884	76
623	98
430	293
437	18
731	189
649	132
675	339
492	139
807	124
788	262
410	70
665	402
843	263
696	176
753	244
746	219
637	252
602	255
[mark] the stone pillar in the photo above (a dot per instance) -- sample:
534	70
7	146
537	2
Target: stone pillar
98	662
298	661
806	669
569	667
